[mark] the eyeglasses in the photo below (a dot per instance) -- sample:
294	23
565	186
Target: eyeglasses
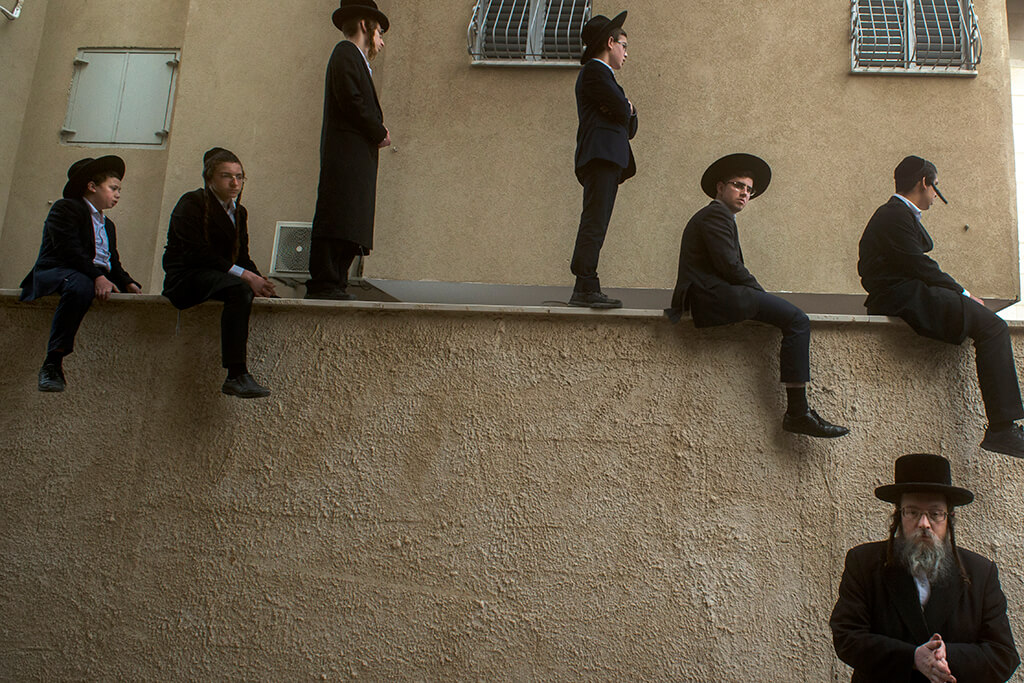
914	514
240	177
625	46
742	187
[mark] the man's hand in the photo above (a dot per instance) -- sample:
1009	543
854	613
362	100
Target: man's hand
978	299
134	288
386	142
632	109
930	660
260	286
103	288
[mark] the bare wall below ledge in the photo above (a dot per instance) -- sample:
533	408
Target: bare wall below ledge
439	496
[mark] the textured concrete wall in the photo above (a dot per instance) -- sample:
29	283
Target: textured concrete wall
479	186
437	496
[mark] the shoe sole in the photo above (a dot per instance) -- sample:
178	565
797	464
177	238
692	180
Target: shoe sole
818	436
994	449
603	306
50	389
239	394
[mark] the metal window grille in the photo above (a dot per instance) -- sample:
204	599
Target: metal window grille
925	36
527	30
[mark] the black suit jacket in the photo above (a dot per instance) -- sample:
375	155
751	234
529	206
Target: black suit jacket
712	282
902	281
353	126
201	237
878	622
70	242
605	123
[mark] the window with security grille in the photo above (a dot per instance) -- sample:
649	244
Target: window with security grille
915	36
528	31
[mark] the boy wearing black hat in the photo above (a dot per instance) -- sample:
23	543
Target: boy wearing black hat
604	158
902	281
917	607
207	257
716	287
78	258
353	134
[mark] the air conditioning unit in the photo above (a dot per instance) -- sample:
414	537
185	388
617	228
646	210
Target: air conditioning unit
290	261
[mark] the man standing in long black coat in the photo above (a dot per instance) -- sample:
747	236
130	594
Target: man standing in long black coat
903	281
353	133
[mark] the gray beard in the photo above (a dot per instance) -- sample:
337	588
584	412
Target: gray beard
933	561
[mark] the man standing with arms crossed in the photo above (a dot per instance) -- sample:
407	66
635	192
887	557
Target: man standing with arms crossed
604	159
352	135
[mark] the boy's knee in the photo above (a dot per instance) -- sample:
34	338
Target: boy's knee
79	289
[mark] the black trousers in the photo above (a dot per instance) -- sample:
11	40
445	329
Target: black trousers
77	291
997	371
329	261
234	323
795	354
600	185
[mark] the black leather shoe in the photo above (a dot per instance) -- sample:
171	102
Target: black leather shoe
244	386
593	300
331	295
1007	441
812	424
51	378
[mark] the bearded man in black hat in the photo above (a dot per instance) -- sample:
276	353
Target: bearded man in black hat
716	287
902	281
917	607
78	258
604	158
207	257
353	133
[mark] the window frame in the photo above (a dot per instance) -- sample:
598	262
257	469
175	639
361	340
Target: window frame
82	59
970	43
533	49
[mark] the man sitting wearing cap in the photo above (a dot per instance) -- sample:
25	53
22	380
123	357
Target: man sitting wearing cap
604	158
716	287
207	257
902	281
78	258
916	607
352	136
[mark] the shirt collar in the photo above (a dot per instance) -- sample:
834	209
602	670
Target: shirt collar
365	60
92	209
597	59
912	205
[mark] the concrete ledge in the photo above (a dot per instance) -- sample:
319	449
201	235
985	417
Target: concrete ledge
488	309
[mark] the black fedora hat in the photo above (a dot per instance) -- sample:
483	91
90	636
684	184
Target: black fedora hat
733	163
923	473
595	33
359	9
84	170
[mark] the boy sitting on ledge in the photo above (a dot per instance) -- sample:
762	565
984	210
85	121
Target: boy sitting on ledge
78	258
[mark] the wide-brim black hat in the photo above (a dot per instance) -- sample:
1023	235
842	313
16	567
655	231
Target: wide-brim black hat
84	170
923	473
359	9
726	168
595	34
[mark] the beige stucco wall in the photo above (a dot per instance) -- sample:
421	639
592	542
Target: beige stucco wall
479	185
440	496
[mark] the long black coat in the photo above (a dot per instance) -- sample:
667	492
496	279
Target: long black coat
712	282
902	281
202	245
878	622
353	126
605	123
70	242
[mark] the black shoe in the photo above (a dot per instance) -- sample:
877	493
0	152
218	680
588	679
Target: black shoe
331	295
51	378
1006	441
244	386
593	300
812	424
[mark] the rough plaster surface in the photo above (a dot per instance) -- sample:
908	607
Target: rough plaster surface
429	496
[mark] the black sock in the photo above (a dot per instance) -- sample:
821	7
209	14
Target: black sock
1000	426
54	358
796	399
236	369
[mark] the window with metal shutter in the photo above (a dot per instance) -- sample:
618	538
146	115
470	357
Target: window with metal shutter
915	36
527	31
937	32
